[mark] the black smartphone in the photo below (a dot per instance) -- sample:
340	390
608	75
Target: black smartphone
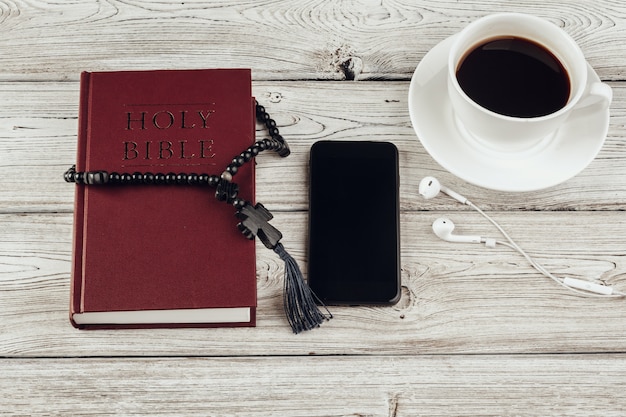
354	223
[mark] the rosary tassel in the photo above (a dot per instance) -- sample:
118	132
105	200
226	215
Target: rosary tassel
299	301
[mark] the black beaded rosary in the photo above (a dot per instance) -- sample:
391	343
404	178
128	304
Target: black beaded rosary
299	301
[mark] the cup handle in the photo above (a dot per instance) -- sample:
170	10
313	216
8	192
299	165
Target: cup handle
597	92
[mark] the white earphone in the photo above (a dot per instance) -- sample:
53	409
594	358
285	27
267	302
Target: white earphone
430	187
443	228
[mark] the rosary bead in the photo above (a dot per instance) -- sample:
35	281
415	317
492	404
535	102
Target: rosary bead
69	174
213	180
282	148
78	177
96	177
170	178
126	179
226	191
181	178
159	178
114	177
238	161
238	203
260	110
232	169
203	179
137	177
270	123
192	179
284	151
273	131
246	155
261	144
226	176
268	143
254	150
148	178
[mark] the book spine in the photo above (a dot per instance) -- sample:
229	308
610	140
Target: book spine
76	283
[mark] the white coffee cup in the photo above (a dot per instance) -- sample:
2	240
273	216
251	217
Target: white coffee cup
502	133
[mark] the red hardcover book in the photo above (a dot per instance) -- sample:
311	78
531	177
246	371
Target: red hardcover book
162	255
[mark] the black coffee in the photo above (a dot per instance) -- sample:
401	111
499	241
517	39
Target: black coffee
515	77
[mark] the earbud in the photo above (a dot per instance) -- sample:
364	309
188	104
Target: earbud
443	228
430	187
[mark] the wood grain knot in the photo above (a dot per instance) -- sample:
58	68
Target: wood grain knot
343	60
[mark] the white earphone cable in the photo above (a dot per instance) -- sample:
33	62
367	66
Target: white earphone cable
511	244
430	187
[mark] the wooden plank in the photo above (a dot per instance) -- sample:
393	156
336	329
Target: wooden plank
564	385
38	131
457	298
280	40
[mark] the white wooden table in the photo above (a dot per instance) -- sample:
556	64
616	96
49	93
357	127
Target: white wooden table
478	332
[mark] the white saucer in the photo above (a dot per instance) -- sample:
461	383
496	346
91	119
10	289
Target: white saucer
558	159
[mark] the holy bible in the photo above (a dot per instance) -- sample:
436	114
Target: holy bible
162	255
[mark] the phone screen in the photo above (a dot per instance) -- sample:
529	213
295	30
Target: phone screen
354	232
